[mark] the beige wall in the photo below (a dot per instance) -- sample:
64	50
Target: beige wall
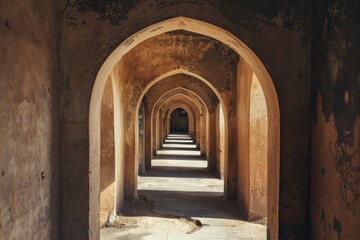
142	139
258	133
29	150
252	124
243	145
116	78
220	142
212	140
107	164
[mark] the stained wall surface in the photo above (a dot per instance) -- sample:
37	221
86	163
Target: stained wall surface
107	162
335	168
119	118
29	166
220	141
258	146
142	138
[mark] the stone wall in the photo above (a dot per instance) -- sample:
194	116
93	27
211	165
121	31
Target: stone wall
252	124
29	165
335	171
107	162
258	137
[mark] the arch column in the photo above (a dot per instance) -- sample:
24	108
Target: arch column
212	155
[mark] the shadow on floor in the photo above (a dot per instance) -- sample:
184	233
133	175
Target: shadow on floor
189	205
180	172
179	157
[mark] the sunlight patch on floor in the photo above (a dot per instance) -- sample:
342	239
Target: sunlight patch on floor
177	145
178	141
179	152
179	163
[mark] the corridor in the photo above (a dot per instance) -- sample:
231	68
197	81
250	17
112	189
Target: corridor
181	199
175	119
192	114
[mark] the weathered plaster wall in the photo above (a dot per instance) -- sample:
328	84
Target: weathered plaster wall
119	122
243	127
142	138
158	130
258	144
29	165
220	138
252	124
107	164
90	30
335	168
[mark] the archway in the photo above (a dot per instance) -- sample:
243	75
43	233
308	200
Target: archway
191	25
223	103
204	99
179	121
193	112
190	115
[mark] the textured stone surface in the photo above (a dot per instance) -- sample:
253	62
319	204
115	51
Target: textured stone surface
107	164
258	152
335	173
29	166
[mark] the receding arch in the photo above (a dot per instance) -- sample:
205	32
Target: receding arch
212	154
200	27
181	90
175	72
199	103
193	113
176	125
204	101
197	110
215	91
189	73
184	107
177	104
